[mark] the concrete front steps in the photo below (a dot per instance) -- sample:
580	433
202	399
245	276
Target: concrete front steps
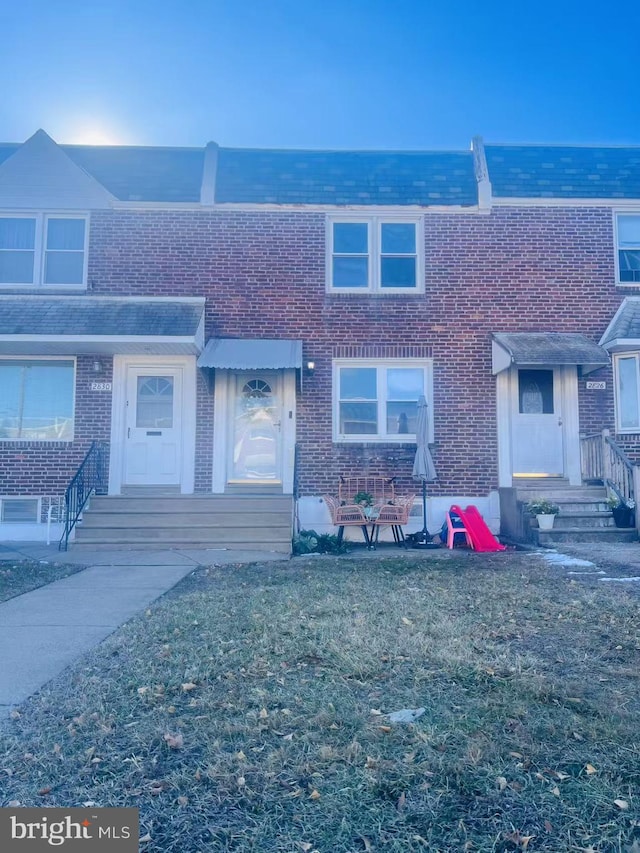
584	515
248	522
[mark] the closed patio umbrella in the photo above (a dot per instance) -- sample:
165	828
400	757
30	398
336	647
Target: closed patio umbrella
423	467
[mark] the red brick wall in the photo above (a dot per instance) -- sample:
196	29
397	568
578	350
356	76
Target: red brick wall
263	274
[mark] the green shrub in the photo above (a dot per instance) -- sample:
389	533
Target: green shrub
310	542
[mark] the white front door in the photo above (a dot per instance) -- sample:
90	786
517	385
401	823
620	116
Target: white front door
153	426
255	446
537	423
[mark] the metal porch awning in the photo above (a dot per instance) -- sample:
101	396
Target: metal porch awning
100	325
544	349
251	354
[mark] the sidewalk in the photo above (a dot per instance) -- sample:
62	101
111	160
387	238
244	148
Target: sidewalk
43	631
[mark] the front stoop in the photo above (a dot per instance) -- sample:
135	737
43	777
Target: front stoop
234	522
584	515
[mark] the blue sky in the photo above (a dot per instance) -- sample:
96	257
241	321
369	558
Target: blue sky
400	74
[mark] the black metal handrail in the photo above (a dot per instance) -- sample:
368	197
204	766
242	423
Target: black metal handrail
89	479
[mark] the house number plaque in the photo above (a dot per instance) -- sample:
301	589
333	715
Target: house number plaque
101	386
596	386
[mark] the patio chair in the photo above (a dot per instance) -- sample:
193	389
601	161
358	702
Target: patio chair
347	515
452	530
394	515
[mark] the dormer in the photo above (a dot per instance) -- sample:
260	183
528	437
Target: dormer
45	200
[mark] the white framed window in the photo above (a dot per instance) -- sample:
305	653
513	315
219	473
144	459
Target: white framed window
627	391
378	254
39	249
19	510
376	399
628	248
37	399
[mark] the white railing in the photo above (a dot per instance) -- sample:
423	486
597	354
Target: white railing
603	459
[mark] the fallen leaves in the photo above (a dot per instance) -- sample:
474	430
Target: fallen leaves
623	805
174	741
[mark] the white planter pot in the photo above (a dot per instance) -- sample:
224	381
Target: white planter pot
545	522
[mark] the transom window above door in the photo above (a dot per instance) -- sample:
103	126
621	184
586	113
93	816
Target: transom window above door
43	250
375	254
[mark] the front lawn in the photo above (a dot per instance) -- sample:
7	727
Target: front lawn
247	712
17	577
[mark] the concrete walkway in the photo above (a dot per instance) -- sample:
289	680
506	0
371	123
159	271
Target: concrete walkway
43	631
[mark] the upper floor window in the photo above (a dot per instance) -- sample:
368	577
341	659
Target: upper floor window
377	400
43	249
628	248
374	253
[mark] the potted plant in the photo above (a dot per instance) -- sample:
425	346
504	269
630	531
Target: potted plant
363	499
544	511
622	511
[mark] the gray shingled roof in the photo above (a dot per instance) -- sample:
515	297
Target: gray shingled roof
545	348
626	324
138	173
346	177
359	177
280	177
97	316
555	171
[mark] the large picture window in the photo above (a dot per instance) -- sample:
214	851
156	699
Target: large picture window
43	250
377	400
375	254
36	400
627	377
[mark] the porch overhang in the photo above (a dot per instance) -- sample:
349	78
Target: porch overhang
623	332
100	325
251	354
546	349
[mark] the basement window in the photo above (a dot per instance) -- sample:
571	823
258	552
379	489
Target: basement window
19	510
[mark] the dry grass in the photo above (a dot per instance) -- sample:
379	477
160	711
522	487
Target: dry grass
26	575
242	712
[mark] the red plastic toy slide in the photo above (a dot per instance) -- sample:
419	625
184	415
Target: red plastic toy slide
482	538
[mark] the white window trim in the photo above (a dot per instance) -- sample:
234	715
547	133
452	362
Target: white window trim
406	438
40	248
38	500
374	231
616	247
616	392
75	382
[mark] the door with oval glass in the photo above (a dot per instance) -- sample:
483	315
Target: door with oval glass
537	423
153	449
256	429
